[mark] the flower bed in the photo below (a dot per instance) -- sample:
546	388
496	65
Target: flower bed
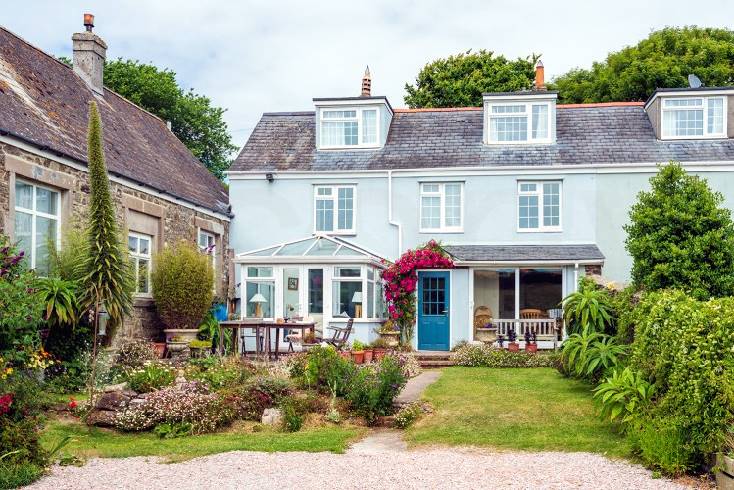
485	356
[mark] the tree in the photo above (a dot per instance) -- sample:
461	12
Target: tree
194	120
107	276
664	59
460	80
679	237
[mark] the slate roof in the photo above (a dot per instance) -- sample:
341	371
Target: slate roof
44	103
524	253
430	138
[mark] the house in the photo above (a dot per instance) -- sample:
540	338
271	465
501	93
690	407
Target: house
162	192
526	194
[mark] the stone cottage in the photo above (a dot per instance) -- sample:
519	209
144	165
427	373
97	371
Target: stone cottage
163	193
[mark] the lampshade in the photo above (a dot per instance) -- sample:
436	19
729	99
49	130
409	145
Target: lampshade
258	298
357	298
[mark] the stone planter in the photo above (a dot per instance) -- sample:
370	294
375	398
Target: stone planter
178	349
725	472
182	334
486	335
392	339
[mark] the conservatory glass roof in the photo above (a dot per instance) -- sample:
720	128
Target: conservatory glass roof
318	248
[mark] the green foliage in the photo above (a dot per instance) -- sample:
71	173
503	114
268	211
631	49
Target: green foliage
217	373
460	80
22	401
58	298
16	475
151	377
679	237
407	415
589	354
172	430
107	275
326	370
685	347
664	59
293	411
358	346
624	396
662	444
20	312
589	307
67	261
209	329
194	120
182	280
248	401
486	356
373	389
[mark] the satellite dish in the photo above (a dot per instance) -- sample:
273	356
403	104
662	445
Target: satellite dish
694	81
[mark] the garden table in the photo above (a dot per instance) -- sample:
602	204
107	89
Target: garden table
267	325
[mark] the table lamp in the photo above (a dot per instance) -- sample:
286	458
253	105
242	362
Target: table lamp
258	299
357	298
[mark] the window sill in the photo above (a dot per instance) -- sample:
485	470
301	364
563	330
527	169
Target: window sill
143	300
438	230
350	147
539	230
337	233
690	138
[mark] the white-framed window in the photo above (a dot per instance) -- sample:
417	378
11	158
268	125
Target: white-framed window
516	123
539	206
691	117
334	209
442	207
349	127
139	247
208	245
259	287
37	223
348	297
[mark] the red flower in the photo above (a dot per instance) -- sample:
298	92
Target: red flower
5	401
72	403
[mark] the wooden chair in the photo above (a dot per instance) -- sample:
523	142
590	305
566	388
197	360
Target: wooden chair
531	313
340	336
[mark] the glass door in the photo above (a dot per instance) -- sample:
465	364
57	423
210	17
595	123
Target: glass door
316	297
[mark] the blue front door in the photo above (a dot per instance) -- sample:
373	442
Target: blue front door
433	310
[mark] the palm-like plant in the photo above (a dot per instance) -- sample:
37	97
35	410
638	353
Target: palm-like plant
624	395
58	296
587	307
589	354
604	353
575	349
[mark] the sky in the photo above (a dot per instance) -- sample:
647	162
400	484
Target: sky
252	57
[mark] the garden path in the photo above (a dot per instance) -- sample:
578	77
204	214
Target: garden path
415	387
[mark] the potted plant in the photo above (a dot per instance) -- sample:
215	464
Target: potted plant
379	349
531	342
160	349
501	341
389	331
358	352
725	463
512	345
200	347
368	353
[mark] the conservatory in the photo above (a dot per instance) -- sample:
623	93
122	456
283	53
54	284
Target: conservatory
320	278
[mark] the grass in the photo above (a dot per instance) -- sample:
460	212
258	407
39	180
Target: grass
533	409
94	442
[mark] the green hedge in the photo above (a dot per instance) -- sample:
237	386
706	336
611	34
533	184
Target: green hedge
686	348
485	356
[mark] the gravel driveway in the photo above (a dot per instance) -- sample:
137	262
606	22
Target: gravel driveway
380	461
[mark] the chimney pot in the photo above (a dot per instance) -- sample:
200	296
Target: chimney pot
540	76
89	54
366	83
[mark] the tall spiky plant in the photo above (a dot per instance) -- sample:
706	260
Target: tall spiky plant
106	274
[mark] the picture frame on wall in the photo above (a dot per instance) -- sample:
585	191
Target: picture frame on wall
293	284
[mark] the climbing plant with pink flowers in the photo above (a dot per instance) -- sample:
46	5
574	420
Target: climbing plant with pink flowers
401	280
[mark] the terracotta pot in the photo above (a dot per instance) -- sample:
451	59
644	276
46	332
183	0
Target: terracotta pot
379	353
160	349
358	357
531	348
513	347
368	355
345	354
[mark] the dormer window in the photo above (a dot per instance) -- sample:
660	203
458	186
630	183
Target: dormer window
349	127
693	117
519	118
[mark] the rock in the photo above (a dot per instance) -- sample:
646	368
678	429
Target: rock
113	400
101	418
272	416
136	402
117	387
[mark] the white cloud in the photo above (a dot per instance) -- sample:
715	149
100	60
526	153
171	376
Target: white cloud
254	57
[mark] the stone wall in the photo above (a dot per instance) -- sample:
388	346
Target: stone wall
135	208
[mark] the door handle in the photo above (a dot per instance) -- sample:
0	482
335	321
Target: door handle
444	312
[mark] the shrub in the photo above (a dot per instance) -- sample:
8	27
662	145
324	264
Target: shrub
589	354
326	370
624	396
680	237
662	444
250	400
182	281
173	430
408	415
22	402
293	411
482	355
150	377
373	389
190	403
589	307
408	363
135	353
16	475
686	348
219	373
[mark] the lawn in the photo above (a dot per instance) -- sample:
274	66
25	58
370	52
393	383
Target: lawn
94	442
533	409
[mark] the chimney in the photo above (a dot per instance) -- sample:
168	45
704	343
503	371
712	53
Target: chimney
366	83
90	52
540	76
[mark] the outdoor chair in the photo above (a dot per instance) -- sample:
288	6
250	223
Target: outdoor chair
531	313
340	336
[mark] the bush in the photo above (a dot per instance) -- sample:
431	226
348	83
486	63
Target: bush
173	430
686	348
134	353
182	281
663	445
249	401
680	237
373	389
326	370
218	373
482	355
22	402
408	415
409	365
624	396
150	377
191	403
590	354
293	411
